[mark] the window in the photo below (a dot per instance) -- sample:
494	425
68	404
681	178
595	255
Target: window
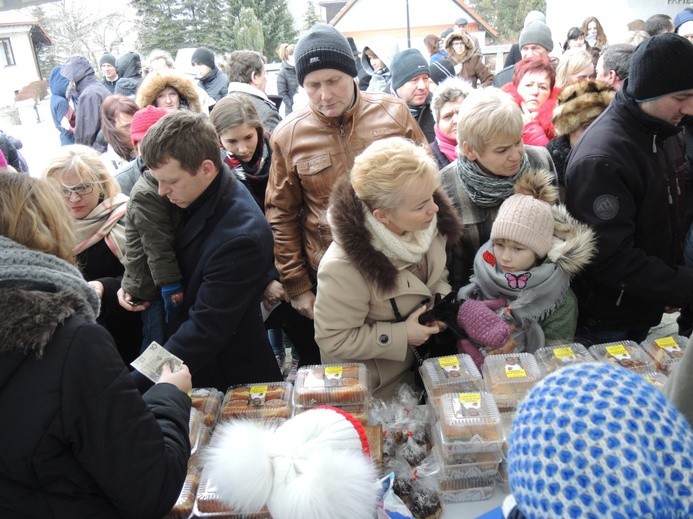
6	54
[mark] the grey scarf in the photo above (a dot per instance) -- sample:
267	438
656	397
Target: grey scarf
19	263
484	189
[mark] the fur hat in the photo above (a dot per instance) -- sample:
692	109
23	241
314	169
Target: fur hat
144	119
537	33
107	58
156	81
526	217
660	65
205	56
323	47
580	104
407	64
597	440
318	461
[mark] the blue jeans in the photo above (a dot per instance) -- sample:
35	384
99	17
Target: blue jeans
589	337
153	324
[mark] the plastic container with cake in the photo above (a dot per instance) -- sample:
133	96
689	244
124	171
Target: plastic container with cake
208	503
207	401
263	400
467	423
183	509
657	379
508	377
198	432
627	354
450	374
466	489
359	411
666	351
331	384
551	358
465	465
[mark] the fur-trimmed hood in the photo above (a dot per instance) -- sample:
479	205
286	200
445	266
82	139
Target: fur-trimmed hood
347	223
580	104
156	81
468	51
31	316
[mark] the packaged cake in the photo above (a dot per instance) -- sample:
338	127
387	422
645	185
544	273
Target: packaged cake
198	432
183	509
331	384
657	379
551	358
208	503
358	411
466	489
508	377
451	374
666	351
207	401
258	401
624	353
468	465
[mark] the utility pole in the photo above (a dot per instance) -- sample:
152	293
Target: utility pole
408	27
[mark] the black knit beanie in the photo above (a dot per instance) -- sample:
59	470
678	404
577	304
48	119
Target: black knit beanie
407	64
660	65
205	56
107	58
441	70
323	47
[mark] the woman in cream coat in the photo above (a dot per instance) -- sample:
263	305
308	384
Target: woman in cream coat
390	221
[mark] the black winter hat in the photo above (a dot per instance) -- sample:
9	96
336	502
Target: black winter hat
205	56
405	65
107	58
660	65
323	47
442	70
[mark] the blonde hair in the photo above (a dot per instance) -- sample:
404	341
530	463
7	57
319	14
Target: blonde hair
384	170
33	214
486	116
571	62
285	50
86	163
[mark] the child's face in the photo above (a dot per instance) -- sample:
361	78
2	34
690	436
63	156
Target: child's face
513	257
241	141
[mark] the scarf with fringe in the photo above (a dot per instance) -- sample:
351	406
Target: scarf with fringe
484	189
105	222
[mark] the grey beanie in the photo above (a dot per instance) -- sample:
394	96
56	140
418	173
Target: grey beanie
537	33
107	58
405	65
323	47
660	65
534	16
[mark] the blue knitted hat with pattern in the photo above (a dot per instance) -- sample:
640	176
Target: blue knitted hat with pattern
599	441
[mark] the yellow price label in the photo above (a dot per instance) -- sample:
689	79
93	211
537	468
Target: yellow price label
255	390
667	343
469	398
448	362
334	371
617	350
563	353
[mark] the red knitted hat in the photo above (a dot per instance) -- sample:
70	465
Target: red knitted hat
143	120
3	160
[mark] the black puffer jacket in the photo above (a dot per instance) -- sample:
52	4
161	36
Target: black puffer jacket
625	179
78	439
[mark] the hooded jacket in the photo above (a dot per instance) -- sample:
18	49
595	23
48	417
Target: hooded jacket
215	84
473	68
156	81
380	79
624	179
90	94
354	318
78	438
60	106
266	109
129	67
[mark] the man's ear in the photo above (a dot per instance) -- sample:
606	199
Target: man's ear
468	151
208	169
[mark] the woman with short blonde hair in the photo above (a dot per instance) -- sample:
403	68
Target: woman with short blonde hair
573	66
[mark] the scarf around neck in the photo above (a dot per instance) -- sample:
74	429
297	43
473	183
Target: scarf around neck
447	145
20	263
484	189
404	250
105	222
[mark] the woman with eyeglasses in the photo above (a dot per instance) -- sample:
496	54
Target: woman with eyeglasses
94	200
468	63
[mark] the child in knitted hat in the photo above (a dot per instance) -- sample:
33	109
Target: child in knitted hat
519	297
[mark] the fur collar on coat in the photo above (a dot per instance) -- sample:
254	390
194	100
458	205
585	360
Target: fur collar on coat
349	231
156	81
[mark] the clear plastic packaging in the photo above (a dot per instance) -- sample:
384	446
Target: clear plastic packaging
666	351
358	411
467	489
472	465
208	503
258	401
207	401
508	377
451	374
183	509
627	354
198	432
551	358
657	379
331	384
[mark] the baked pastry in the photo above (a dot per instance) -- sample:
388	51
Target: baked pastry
183	508
336	384
425	504
450	374
552	358
469	417
207	402
266	400
508	377
626	354
666	351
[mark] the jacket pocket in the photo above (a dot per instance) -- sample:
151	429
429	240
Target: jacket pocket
317	175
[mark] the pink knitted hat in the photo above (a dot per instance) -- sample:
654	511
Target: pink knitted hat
143	120
3	160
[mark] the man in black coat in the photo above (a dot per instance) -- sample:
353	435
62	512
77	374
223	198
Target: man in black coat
224	252
411	83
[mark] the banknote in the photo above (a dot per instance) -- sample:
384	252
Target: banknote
152	360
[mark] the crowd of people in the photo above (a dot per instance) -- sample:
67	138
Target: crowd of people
553	198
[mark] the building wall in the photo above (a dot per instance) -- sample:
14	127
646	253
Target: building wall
14	77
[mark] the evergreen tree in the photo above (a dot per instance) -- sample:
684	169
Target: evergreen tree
507	16
248	31
310	17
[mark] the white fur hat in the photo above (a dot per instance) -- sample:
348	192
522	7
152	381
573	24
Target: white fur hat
315	465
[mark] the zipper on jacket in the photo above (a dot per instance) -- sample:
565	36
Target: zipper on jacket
678	189
654	143
620	295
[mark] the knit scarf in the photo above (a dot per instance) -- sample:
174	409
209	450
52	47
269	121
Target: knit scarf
447	145
404	250
251	168
105	222
531	295
484	189
19	263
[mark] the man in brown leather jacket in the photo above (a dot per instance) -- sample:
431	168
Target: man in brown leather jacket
315	146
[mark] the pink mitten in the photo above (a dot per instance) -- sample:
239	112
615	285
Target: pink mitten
464	346
482	324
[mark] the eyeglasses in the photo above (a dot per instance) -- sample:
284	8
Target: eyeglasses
457	43
79	189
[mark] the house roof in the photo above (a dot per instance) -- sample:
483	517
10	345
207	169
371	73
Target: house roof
16	18
468	10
